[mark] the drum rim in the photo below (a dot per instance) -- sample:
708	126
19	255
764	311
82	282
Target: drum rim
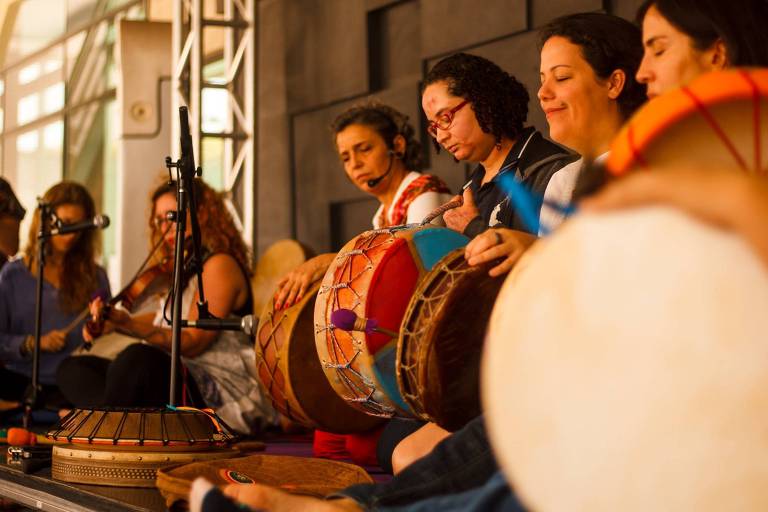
658	114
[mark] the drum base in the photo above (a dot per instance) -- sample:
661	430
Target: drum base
111	465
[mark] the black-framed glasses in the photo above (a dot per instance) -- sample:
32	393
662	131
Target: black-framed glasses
444	120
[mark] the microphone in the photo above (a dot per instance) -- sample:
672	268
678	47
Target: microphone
244	324
99	221
347	320
375	181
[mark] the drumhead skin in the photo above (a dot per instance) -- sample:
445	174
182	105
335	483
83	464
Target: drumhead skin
289	370
441	339
626	368
374	275
720	120
280	258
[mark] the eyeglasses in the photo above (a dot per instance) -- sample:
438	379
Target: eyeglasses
160	221
444	120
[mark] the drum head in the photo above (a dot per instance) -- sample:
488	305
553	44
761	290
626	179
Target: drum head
374	276
288	368
280	258
626	368
441	339
720	120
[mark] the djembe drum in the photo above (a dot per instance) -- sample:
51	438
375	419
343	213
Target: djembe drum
126	447
289	369
441	339
626	368
717	121
374	275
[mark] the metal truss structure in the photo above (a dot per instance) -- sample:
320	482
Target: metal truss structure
194	23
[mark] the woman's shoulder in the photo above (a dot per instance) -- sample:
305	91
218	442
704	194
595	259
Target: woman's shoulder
222	263
428	183
15	267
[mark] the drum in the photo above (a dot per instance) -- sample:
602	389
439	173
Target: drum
289	370
717	121
125	447
631	372
278	259
441	339
374	275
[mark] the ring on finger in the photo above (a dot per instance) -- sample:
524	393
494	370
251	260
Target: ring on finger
499	240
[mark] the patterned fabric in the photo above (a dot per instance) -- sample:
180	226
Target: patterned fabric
422	184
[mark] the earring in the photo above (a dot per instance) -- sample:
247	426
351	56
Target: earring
498	145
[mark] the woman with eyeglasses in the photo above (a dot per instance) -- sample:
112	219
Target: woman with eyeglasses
588	90
70	277
215	364
476	111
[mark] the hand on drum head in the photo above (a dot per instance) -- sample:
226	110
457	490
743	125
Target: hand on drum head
728	198
502	244
458	218
294	285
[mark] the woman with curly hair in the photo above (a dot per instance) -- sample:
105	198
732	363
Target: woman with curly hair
477	112
381	156
70	277
215	365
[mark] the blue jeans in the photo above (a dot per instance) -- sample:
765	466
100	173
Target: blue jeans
494	495
460	463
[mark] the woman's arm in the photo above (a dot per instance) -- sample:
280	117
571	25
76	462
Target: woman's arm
226	290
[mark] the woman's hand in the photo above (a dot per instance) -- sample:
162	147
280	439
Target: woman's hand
502	244
294	285
458	218
53	341
113	319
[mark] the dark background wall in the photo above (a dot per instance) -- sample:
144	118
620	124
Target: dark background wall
318	57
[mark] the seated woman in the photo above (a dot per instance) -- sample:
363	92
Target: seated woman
685	38
11	215
588	63
215	363
381	156
588	90
70	277
477	112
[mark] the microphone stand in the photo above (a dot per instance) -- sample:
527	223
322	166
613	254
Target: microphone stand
31	394
185	202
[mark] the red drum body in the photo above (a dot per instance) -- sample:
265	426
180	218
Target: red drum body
441	341
374	275
289	369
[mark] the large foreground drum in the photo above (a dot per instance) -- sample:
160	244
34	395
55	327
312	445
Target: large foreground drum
441	339
626	368
717	121
374	275
126	447
289	369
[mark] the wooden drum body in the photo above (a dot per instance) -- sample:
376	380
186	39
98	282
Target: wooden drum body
289	369
374	275
441	340
719	120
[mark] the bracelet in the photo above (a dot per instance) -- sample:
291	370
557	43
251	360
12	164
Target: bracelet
28	346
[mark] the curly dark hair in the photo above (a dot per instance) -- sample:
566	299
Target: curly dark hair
499	101
607	43
218	230
740	24
388	123
79	278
